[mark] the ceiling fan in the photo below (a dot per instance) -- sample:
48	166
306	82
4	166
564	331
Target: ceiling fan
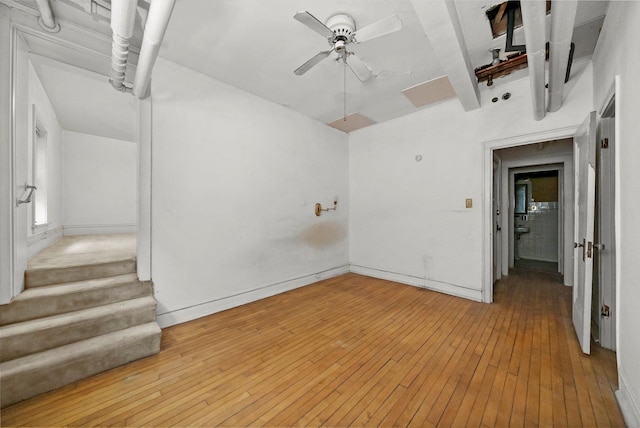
340	31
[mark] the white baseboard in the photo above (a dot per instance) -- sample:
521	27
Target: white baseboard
441	287
207	308
98	229
41	240
628	401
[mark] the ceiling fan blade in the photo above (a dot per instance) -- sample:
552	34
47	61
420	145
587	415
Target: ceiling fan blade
312	62
314	23
359	68
385	26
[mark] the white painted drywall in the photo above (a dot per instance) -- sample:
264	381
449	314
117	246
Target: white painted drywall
408	219
99	184
617	53
235	180
43	237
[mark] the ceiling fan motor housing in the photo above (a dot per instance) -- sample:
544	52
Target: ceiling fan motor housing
342	25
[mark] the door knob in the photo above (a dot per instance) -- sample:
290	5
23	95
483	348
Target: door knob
599	247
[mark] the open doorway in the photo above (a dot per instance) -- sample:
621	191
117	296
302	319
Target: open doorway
537	220
522	162
84	151
537	223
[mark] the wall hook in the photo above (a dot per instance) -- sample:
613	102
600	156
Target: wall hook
319	208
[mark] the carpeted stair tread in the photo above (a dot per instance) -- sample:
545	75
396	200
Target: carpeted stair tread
38	277
34	374
28	337
56	299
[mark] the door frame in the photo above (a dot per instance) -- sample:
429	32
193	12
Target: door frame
497	219
607	125
9	285
534	164
487	214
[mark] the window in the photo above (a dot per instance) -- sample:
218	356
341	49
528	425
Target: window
39	172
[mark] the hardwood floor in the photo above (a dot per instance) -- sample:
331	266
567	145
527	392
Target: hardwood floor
357	351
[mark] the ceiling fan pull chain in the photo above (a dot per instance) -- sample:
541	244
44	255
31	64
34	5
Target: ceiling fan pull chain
344	60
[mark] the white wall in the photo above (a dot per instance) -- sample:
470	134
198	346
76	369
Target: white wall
99	184
617	53
408	219
43	237
235	180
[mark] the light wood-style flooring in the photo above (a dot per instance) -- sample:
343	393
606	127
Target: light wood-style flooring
357	351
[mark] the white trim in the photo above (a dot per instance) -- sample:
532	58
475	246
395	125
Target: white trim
16	273
611	93
38	228
487	215
26	30
617	214
629	404
217	305
144	194
44	234
561	162
98	229
40	241
7	201
421	282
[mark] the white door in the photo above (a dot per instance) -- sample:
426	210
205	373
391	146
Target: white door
585	184
604	275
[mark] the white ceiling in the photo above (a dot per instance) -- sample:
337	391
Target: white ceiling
85	102
255	45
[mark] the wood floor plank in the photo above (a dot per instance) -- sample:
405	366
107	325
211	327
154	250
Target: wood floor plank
357	351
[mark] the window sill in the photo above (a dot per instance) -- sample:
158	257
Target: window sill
40	227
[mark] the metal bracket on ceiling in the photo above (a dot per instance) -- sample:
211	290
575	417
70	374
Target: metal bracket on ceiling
511	23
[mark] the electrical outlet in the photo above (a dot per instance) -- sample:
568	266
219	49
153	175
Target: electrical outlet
468	203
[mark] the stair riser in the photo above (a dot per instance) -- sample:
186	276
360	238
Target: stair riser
23	310
51	371
29	342
44	277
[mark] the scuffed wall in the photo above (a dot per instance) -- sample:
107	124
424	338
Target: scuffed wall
235	180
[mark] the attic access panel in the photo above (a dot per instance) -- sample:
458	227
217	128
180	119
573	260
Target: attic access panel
498	16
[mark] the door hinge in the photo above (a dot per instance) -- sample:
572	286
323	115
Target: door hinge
604	143
605	311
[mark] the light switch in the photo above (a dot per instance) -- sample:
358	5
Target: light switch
468	203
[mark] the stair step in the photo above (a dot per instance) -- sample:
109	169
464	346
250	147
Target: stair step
51	276
30	337
34	374
58	299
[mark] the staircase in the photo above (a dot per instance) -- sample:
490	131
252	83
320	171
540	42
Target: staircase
73	322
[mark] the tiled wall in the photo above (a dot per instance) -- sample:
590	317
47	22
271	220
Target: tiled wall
541	243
